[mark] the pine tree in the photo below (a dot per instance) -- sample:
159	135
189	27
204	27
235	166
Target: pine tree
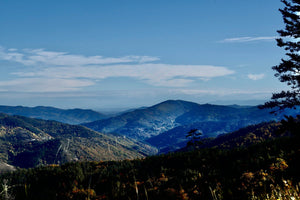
195	137
288	70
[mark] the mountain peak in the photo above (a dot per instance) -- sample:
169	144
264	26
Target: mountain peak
177	103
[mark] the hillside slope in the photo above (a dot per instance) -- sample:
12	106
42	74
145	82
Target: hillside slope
27	142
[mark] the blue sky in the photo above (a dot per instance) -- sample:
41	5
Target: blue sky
113	54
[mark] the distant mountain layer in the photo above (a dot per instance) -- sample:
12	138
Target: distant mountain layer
152	121
27	142
146	122
70	116
166	124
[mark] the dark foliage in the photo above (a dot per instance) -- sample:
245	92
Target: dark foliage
194	136
288	71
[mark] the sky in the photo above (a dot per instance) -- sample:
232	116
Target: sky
103	54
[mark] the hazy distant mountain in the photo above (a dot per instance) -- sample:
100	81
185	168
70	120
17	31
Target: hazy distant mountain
167	123
250	102
27	142
70	116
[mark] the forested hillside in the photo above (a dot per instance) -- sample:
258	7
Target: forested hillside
268	169
27	142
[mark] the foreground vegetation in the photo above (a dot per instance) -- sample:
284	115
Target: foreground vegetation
267	170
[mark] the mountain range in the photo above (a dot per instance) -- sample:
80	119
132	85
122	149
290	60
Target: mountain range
255	158
135	133
166	124
27	142
70	116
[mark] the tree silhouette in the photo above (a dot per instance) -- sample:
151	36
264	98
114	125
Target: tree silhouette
288	70
195	136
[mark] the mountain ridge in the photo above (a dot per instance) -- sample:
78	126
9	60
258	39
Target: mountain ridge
165	116
166	123
70	116
145	122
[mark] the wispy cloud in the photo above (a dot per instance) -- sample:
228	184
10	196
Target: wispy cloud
247	39
60	71
256	77
153	74
43	57
220	92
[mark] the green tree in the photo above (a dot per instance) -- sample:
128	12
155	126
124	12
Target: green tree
288	71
